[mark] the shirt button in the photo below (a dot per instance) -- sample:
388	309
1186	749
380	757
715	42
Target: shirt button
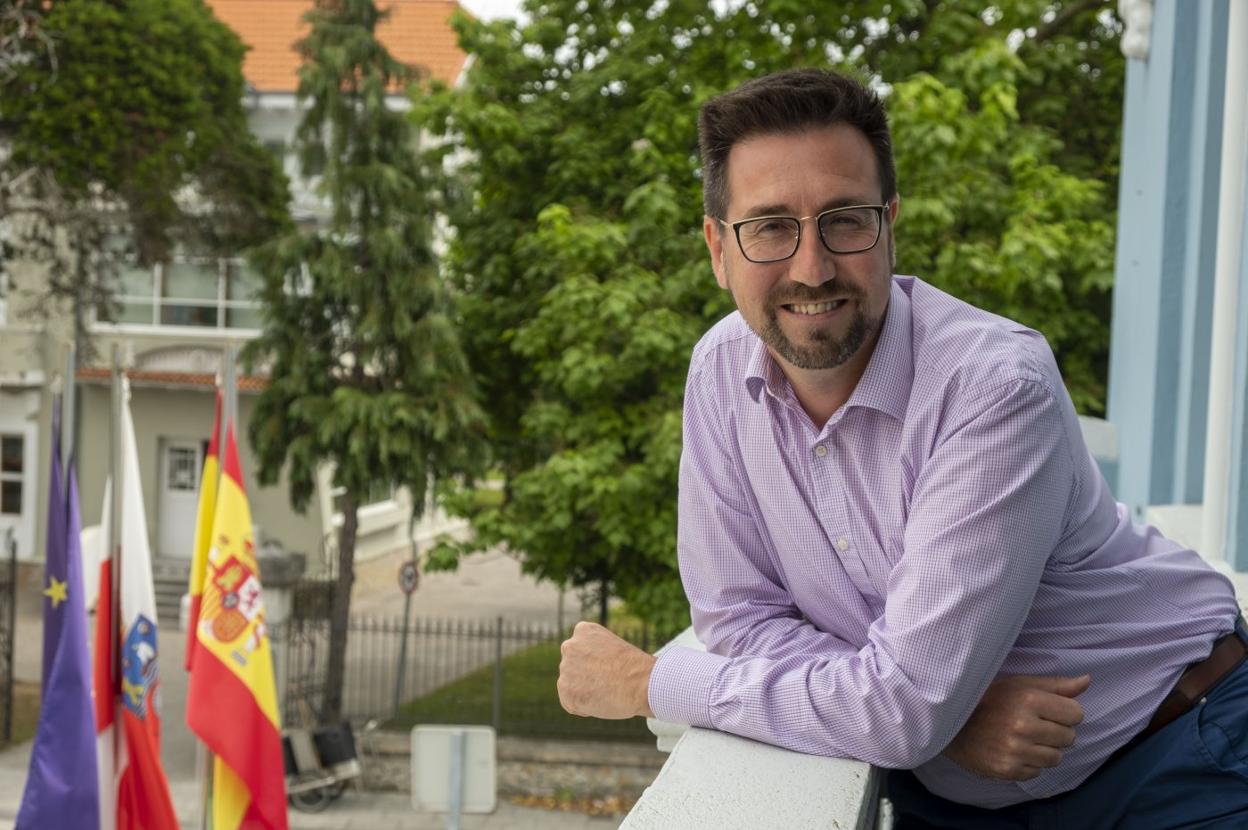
842	544
821	450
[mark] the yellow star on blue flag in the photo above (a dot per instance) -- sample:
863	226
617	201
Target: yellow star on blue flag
57	591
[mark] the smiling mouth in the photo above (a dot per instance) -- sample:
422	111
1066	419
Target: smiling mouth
812	309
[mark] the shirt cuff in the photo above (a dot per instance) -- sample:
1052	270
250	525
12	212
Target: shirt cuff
681	685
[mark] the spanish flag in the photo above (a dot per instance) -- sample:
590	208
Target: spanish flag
203	531
231	702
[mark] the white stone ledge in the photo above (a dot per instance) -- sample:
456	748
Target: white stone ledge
713	779
1101	438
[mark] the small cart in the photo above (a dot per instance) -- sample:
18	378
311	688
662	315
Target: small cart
319	763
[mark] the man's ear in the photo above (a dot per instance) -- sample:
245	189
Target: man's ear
714	233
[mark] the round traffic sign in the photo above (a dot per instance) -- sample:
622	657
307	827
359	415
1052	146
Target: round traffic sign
409	577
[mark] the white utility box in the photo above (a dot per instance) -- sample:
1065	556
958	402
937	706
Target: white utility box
454	769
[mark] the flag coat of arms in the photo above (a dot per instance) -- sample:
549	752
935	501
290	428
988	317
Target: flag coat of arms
134	792
61	784
232	702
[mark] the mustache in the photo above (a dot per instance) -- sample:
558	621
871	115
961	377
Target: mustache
798	293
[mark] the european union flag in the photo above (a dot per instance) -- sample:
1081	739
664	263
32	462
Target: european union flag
61	788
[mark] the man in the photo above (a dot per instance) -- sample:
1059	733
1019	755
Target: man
886	504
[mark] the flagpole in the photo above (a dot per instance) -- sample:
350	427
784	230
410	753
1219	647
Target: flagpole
114	529
204	760
203	769
231	391
67	414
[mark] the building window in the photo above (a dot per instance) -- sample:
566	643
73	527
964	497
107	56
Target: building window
182	469
12	452
378	491
201	293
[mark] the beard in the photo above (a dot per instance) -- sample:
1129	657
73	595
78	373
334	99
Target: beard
824	350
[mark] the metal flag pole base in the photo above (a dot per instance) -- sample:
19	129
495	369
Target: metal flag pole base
203	771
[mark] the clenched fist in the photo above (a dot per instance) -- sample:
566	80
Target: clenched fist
1021	726
602	676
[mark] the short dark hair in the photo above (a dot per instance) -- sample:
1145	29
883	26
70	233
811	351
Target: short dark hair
788	102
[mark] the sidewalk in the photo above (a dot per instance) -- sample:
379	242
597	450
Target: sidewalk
353	811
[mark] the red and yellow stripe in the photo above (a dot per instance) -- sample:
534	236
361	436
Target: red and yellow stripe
203	531
232	702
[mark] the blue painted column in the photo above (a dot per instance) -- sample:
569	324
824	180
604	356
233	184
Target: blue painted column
1237	496
1164	268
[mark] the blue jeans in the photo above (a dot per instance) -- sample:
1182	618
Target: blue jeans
1191	774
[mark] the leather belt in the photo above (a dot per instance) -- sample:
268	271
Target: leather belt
1199	679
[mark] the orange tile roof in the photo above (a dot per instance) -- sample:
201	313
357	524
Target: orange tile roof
97	374
418	32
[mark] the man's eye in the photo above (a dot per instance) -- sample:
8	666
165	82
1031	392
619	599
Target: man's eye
846	220
771	227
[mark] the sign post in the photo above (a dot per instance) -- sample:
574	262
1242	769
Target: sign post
409	578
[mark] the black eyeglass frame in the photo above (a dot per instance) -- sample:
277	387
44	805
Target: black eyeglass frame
818	217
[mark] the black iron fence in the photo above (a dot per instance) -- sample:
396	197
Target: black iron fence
491	671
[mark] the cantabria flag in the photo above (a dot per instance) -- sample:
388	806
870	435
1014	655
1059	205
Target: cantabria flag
134	793
231	703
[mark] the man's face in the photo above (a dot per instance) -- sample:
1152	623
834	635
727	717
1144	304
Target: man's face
816	309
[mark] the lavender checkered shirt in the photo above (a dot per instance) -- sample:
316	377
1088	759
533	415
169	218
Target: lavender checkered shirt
859	586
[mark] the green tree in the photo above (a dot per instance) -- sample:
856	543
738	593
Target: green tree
578	256
124	120
367	373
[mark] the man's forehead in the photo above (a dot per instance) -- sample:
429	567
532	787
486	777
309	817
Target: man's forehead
785	208
767	172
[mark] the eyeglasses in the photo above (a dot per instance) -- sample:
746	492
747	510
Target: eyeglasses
844	230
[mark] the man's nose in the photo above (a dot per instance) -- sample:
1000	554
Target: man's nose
812	264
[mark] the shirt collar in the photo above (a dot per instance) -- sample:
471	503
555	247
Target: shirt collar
885	385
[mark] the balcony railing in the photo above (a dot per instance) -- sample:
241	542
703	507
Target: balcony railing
713	779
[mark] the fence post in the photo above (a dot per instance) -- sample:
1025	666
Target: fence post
498	674
10	636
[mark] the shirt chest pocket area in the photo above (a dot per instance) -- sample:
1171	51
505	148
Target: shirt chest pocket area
832	556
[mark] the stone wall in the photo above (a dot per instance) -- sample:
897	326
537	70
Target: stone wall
530	767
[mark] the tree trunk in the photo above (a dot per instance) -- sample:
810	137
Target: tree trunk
340	612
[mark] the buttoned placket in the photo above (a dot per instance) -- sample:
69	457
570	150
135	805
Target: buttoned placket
831	506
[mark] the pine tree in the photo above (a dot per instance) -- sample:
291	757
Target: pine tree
366	370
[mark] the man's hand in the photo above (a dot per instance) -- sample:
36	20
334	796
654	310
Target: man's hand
602	676
1020	727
